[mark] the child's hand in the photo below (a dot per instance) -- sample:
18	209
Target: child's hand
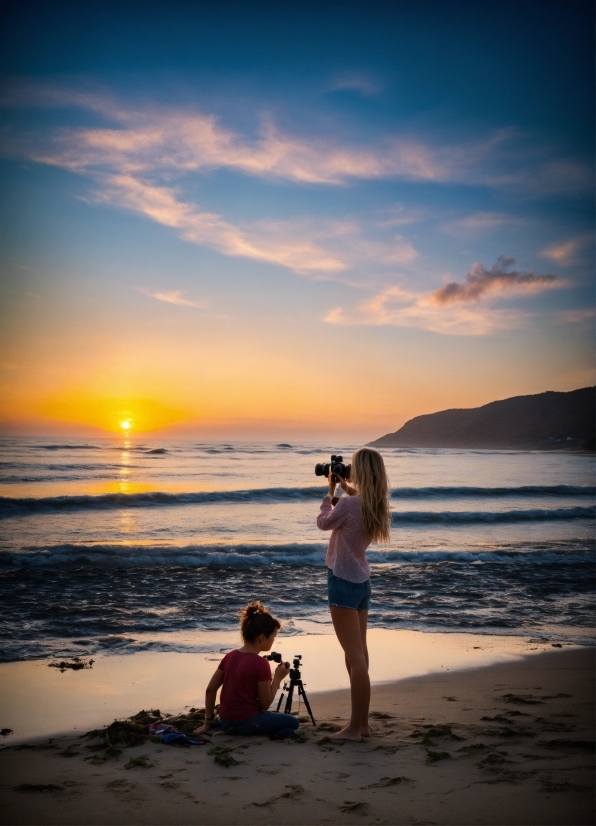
282	670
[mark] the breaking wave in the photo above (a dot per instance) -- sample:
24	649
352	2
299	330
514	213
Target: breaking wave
260	555
11	506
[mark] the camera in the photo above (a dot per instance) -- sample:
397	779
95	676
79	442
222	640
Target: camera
276	658
335	467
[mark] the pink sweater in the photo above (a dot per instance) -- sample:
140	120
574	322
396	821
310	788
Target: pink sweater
346	555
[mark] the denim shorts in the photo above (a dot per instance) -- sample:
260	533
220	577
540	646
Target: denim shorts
345	594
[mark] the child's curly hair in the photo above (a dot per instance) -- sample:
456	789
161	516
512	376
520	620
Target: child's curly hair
255	620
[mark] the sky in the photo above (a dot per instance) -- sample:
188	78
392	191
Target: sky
284	220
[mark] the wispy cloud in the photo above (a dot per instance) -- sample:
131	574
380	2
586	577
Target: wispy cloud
150	139
566	253
353	81
575	316
133	161
172	297
404	308
499	279
482	221
456	309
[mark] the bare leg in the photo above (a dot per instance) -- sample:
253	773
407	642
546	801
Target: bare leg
363	619
347	624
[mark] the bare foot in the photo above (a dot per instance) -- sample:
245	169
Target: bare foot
365	732
347	733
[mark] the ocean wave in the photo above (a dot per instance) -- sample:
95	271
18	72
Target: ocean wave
263	555
463	492
190	556
469	517
11	506
65	447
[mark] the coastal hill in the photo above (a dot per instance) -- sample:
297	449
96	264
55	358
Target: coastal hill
546	421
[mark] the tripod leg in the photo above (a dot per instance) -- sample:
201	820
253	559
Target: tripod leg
302	692
288	708
280	701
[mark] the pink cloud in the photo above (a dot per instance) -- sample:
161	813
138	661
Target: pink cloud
456	309
172	297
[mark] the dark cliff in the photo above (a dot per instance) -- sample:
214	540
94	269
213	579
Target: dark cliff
546	421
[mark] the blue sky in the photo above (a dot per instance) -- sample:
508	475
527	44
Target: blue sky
218	212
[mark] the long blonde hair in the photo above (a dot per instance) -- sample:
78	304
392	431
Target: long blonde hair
370	479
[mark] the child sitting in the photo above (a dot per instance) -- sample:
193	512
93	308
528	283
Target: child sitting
244	677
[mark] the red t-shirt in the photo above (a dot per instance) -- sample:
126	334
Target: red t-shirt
240	694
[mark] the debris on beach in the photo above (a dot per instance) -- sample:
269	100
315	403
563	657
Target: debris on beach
328	727
354	806
141	762
522	699
5	732
152	726
223	756
76	664
435	756
388	781
433	733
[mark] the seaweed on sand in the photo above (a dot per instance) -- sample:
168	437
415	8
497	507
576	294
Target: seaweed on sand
433	733
388	781
223	756
328	727
435	756
187	723
76	664
109	752
564	745
522	699
120	734
140	762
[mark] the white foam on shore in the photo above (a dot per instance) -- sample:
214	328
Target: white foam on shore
38	701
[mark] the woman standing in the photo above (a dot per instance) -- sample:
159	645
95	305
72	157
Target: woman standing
357	519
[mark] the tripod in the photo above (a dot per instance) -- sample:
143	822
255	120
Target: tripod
295	682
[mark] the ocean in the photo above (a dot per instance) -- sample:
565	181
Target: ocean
117	546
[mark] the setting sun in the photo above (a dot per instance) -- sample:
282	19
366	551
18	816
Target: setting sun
125	425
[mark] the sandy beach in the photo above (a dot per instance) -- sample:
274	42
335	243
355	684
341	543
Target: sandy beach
507	743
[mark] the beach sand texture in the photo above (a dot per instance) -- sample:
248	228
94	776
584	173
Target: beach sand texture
511	743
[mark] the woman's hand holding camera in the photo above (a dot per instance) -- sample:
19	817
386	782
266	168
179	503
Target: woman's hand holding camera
282	671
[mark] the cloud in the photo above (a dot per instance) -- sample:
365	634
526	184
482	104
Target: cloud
323	249
455	309
360	82
481	221
403	308
481	282
575	316
150	139
161	204
177	141
565	253
134	158
172	297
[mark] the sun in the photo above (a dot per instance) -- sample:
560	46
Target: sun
125	426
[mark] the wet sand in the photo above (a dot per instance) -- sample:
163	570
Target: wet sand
36	700
510	743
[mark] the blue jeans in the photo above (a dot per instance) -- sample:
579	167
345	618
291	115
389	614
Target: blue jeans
277	726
